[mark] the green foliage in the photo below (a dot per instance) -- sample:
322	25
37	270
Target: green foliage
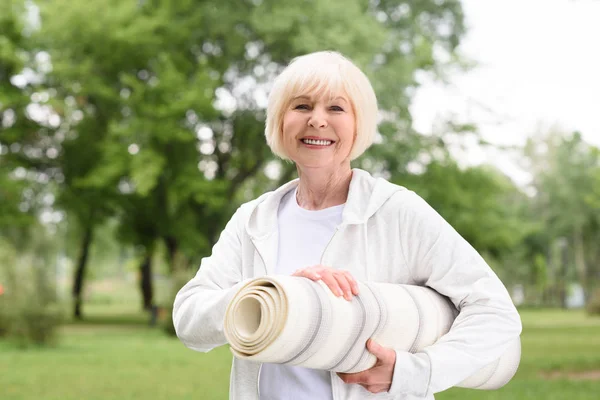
593	304
135	84
32	323
178	279
4	318
145	139
479	202
565	174
483	205
29	310
11	195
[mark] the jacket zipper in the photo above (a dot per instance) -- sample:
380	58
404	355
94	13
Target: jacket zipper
259	254
337	229
258	380
266	270
333	391
331	374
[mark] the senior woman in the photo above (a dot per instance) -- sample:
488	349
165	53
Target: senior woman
339	225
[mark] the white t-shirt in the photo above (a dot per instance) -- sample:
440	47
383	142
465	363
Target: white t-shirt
303	236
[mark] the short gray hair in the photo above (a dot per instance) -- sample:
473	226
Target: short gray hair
328	73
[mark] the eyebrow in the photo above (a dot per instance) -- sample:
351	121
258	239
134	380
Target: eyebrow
308	98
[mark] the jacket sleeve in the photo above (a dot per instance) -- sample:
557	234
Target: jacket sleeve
200	305
438	257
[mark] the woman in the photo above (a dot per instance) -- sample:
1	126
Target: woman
339	225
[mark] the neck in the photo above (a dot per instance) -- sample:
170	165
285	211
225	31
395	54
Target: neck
318	189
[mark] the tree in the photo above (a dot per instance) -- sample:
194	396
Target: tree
18	184
161	118
483	205
565	179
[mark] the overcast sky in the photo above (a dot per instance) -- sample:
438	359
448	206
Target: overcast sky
539	63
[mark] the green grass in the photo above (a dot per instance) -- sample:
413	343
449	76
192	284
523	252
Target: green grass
552	340
98	359
119	357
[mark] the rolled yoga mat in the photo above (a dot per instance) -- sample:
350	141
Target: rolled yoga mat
295	321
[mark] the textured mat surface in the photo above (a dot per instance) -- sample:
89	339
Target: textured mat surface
291	320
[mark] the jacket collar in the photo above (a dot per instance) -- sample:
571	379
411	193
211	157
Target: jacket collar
365	196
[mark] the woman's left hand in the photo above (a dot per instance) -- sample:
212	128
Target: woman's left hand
378	378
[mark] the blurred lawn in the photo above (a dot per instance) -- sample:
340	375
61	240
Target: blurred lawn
120	358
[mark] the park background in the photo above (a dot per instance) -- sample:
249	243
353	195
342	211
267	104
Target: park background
131	130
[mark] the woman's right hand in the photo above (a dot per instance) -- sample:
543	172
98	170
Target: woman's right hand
339	281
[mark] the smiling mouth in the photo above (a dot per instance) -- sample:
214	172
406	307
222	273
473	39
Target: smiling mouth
317	142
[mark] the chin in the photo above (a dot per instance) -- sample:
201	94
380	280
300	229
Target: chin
324	164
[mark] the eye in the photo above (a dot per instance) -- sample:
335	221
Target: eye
302	107
336	108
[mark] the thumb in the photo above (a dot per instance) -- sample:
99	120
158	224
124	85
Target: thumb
378	351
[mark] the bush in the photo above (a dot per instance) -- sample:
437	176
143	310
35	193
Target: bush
593	304
3	318
179	279
29	310
28	320
34	324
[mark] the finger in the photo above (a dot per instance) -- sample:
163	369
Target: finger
309	273
353	283
332	283
383	354
376	388
344	284
359	377
315	272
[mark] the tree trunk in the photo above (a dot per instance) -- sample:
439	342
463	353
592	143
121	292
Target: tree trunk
146	281
172	248
592	251
80	272
580	264
564	267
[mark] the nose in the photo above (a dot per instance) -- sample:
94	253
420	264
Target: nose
317	119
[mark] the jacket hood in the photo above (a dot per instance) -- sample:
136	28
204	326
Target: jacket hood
366	195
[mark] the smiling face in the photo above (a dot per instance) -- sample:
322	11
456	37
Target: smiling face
319	131
326	96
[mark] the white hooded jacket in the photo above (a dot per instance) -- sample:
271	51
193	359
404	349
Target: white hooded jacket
388	234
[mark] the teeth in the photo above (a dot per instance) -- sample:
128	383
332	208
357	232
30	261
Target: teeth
317	142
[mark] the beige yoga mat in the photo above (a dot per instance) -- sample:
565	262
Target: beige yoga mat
295	321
